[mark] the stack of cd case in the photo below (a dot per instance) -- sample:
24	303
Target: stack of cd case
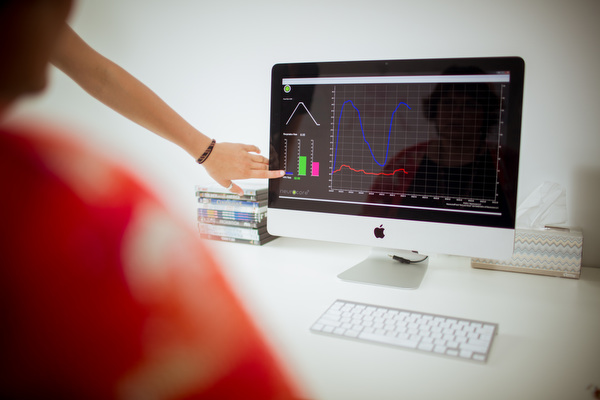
230	217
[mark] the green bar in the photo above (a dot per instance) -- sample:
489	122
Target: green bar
302	165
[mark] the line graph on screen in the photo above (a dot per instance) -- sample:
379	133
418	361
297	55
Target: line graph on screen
389	135
363	143
362	171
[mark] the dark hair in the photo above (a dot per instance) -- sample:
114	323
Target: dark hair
481	91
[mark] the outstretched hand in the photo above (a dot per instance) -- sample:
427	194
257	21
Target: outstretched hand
229	161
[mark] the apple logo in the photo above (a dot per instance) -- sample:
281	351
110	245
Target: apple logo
379	232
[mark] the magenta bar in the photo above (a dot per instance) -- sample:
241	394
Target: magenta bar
315	169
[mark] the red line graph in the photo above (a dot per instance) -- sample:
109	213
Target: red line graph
370	173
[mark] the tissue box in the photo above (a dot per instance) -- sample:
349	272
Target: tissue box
554	252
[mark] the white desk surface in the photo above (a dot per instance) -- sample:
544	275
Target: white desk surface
548	345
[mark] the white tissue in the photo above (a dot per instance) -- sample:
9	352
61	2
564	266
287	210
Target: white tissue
546	205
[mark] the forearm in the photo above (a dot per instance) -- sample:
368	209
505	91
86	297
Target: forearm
135	101
122	92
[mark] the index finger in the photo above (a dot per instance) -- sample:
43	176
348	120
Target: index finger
250	148
267	174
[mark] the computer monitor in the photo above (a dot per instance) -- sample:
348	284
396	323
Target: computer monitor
416	155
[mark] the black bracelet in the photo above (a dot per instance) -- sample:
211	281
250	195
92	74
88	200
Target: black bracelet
207	152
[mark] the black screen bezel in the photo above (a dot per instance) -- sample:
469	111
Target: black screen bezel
514	65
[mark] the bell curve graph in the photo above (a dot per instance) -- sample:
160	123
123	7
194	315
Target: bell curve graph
368	129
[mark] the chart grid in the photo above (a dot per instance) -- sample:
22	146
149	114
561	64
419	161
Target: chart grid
386	140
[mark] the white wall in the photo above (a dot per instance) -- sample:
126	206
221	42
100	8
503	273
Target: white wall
211	61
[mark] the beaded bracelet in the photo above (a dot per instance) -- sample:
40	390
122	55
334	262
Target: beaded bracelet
207	152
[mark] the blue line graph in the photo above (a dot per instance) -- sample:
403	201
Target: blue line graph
363	133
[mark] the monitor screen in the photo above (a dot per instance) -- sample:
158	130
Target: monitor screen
420	155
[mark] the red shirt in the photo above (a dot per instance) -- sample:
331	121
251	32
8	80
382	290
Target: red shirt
104	295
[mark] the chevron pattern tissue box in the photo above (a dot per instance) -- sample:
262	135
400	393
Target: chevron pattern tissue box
554	252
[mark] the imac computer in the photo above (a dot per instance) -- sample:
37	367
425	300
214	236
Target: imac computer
414	155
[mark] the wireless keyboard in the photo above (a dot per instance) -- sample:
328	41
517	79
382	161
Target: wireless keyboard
454	337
